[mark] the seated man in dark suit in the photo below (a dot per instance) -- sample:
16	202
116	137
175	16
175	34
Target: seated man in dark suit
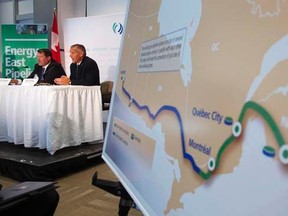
47	69
83	69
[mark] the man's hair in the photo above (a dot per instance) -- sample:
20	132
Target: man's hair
81	47
47	52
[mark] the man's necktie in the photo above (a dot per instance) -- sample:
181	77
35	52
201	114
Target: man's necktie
42	74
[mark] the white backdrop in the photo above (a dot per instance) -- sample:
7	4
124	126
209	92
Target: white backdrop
101	35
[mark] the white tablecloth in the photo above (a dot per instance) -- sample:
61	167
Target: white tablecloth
50	117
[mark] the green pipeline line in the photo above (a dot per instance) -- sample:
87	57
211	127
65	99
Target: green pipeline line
259	109
268	118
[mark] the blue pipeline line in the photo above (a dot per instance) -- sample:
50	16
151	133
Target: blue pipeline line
174	110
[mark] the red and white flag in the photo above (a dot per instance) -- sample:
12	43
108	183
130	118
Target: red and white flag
55	46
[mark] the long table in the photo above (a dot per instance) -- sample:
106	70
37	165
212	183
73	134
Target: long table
50	117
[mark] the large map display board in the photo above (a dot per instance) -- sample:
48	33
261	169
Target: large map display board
199	117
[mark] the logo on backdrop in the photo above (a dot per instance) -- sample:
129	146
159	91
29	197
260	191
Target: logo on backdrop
117	28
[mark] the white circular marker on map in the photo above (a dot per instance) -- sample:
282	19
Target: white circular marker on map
283	154
236	129
211	164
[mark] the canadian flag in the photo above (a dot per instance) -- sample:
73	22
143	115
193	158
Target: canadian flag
55	47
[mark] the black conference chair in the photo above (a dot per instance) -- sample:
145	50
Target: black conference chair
106	92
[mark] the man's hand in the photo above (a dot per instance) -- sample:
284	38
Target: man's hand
13	82
63	80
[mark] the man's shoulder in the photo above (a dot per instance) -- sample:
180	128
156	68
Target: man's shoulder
55	64
36	66
88	60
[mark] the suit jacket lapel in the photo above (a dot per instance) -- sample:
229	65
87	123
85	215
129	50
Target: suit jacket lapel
50	66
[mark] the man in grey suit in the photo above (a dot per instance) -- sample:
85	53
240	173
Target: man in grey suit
83	69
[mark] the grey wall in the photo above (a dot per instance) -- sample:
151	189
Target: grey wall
6	17
102	7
